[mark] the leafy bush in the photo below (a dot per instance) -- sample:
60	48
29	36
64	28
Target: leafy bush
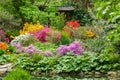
112	41
107	10
29	11
65	38
72	63
117	47
94	45
82	15
9	20
46	46
18	74
53	36
4	58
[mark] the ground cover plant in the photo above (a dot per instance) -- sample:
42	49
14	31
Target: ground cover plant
46	41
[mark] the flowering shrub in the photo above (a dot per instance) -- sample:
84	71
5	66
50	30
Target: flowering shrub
53	36
24	39
73	47
73	23
30	28
63	49
31	49
90	33
71	26
3	46
47	35
41	34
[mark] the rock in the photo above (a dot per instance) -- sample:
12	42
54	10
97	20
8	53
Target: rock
112	74
90	73
2	71
5	68
97	73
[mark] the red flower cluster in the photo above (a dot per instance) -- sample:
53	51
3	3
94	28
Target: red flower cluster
73	23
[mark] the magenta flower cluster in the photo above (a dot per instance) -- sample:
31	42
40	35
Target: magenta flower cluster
47	35
31	49
74	47
41	34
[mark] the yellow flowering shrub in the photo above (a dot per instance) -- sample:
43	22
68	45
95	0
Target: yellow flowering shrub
90	33
31	28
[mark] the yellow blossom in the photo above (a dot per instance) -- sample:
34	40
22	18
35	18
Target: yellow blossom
31	28
90	33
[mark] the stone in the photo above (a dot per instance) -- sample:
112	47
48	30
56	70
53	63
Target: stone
2	71
5	68
97	73
112	73
90	73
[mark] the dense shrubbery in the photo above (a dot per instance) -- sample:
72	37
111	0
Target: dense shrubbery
47	44
69	63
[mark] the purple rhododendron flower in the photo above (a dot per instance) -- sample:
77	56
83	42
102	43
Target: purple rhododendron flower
75	48
73	45
18	45
78	50
62	50
30	49
48	53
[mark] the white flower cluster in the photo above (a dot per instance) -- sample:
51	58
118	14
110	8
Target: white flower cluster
21	38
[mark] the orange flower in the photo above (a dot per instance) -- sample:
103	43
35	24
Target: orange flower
99	27
3	46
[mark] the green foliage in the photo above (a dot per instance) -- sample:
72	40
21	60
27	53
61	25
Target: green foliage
72	63
82	15
65	38
94	45
36	57
46	46
10	49
4	58
2	52
112	41
117	47
108	10
18	74
8	17
12	32
29	11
